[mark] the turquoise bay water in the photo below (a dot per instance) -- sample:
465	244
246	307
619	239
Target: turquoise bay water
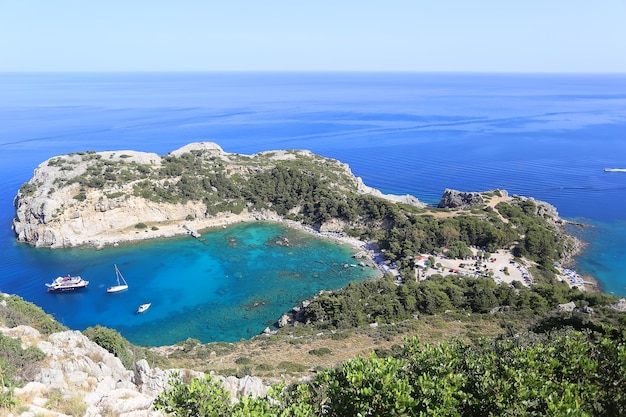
605	256
229	284
537	135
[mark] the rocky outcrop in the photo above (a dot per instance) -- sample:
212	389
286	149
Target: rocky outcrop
619	305
566	308
99	198
76	367
405	199
571	307
454	199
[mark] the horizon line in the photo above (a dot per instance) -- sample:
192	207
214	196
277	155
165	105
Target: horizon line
337	71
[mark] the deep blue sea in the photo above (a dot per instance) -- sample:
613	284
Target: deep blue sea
542	136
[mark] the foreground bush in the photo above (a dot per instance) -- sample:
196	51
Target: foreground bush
565	373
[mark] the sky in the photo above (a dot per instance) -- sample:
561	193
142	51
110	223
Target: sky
579	36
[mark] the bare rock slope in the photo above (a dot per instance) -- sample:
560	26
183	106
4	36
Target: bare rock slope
78	370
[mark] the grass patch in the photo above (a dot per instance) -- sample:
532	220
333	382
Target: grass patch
291	367
320	352
72	405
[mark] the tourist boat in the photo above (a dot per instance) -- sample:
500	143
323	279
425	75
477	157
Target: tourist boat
67	283
614	169
143	307
121	282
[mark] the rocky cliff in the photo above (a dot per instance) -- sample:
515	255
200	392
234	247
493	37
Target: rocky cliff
457	200
454	199
98	198
78	371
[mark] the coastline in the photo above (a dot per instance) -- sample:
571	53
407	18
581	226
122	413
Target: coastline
195	228
566	267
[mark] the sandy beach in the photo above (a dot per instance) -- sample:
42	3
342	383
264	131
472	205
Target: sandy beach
174	228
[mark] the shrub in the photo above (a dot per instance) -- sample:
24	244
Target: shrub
113	342
320	352
243	360
18	311
291	367
264	367
199	397
81	196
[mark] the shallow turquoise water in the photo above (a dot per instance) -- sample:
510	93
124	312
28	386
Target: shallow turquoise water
605	259
228	285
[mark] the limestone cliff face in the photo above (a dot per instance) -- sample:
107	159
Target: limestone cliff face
57	211
76	367
98	198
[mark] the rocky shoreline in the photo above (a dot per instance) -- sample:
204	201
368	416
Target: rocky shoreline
52	216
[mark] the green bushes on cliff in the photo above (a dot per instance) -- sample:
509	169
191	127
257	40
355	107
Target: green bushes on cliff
115	343
561	373
16	311
17	366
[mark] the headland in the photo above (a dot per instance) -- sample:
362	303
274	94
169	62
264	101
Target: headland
112	197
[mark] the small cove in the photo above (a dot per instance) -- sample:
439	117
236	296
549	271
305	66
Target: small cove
230	284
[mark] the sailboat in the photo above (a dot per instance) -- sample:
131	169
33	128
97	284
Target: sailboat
121	282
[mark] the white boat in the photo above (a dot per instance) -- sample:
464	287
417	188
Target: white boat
143	307
121	282
614	169
67	283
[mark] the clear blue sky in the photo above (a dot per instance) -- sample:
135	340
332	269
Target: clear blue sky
344	35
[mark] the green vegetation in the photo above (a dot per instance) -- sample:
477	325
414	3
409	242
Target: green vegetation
382	301
28	189
73	406
567	372
17	366
320	352
81	196
14	311
196	398
115	343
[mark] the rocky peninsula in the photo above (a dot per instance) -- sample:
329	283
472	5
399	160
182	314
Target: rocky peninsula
111	197
105	198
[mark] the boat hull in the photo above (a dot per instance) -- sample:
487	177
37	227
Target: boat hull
122	285
66	289
117	288
66	284
143	308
